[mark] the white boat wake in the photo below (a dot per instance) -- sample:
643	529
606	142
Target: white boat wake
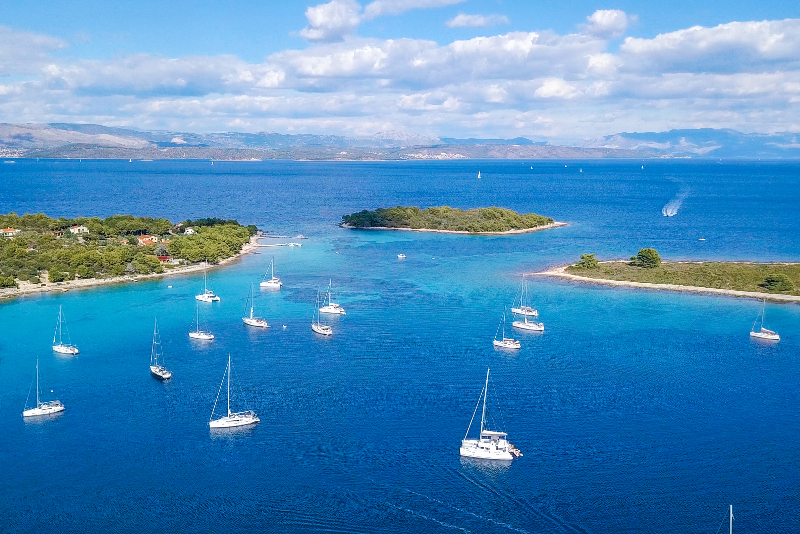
672	207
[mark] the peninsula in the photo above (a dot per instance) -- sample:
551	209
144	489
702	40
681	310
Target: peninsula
481	221
771	281
39	253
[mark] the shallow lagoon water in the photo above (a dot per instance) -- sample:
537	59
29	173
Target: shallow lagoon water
636	411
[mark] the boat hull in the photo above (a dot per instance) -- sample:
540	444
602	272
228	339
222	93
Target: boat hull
507	344
233	421
530	312
160	373
206	298
333	310
524	325
203	336
270	284
255	322
44	409
65	349
470	449
764	336
321	329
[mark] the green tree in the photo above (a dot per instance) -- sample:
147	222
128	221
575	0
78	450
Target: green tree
57	276
647	258
777	283
7	281
588	261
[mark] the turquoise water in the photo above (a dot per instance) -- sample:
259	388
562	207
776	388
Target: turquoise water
636	411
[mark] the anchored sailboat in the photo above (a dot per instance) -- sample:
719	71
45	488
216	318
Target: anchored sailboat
157	368
505	342
258	322
331	307
316	326
523	308
233	419
207	295
197	333
42	408
58	342
763	333
490	445
274	282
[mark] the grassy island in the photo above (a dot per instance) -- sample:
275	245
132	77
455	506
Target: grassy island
446	219
37	249
647	267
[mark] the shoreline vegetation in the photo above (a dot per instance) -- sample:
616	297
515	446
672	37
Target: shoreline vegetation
772	281
443	219
40	254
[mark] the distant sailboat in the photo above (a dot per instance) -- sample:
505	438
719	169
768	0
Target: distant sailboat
207	295
233	419
316	326
479	175
505	342
42	408
331	307
523	308
58	342
490	445
274	282
763	333
258	322
197	333
157	368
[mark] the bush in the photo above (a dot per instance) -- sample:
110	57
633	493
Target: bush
777	283
7	281
57	276
647	258
588	261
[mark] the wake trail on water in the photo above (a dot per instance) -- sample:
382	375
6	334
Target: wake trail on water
672	207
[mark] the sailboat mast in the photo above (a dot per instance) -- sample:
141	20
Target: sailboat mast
60	320
229	384
730	522
485	392
37	383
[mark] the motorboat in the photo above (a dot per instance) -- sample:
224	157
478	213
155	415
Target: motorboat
42	408
401	256
157	368
274	282
58	342
491	444
233	419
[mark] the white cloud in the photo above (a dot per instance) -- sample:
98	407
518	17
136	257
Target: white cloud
395	7
331	21
24	52
556	88
475	21
607	23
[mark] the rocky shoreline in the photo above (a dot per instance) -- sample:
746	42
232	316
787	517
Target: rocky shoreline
555	224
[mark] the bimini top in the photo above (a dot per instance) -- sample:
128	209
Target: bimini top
493	434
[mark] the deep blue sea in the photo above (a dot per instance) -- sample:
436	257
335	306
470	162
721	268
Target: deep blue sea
636	411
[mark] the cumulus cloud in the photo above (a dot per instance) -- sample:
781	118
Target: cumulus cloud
475	21
331	21
607	23
23	52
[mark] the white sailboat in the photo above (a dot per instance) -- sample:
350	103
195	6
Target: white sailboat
763	333
42	408
331	307
233	419
274	282
207	295
505	342
197	333
58	342
157	368
479	175
257	322
316	326
523	308
490	445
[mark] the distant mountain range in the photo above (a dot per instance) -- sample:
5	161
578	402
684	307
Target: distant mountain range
60	140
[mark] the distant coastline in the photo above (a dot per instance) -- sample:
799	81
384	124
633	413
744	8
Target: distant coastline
549	226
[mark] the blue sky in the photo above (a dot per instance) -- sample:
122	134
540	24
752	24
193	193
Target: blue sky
549	70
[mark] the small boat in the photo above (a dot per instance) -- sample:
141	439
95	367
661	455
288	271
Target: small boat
58	342
490	445
42	408
207	295
317	326
258	322
523	308
300	236
401	256
479	175
331	307
505	342
274	282
157	368
200	334
763	333
233	419
525	325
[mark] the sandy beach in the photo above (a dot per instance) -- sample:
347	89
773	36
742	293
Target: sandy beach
509	232
26	288
560	272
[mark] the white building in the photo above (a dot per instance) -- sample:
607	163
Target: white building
9	232
78	229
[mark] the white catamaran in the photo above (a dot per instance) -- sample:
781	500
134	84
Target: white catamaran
316	325
490	445
157	368
524	308
763	333
505	342
207	295
274	282
58	342
42	408
331	307
233	419
257	322
197	333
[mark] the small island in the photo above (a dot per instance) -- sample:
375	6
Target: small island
484	221
771	281
39	253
